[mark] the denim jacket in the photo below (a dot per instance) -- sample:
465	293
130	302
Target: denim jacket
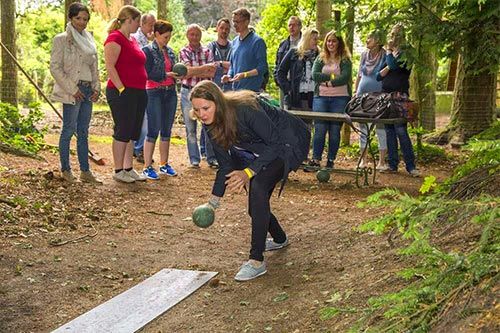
155	62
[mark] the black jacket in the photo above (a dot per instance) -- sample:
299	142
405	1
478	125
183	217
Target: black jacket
398	78
280	54
291	84
268	132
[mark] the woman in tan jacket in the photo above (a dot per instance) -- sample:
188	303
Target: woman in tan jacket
73	64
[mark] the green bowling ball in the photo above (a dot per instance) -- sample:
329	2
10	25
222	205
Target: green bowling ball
203	216
323	176
180	69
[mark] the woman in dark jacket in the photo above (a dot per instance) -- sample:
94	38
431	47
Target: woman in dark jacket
295	71
256	145
162	99
395	77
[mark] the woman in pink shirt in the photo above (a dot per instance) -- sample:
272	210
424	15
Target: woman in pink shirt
332	73
126	90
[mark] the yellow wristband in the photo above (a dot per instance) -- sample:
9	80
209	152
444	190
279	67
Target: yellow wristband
332	76
248	172
245	75
120	90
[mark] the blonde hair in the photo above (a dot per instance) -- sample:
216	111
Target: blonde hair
223	130
305	42
125	13
194	26
342	50
397	34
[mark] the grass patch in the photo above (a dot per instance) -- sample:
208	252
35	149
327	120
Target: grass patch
101	139
177	140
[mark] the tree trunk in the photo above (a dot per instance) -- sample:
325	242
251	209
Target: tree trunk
423	85
67	3
349	40
8	88
323	15
128	2
162	9
473	109
474	106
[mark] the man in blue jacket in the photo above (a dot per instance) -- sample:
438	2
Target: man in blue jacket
294	29
248	61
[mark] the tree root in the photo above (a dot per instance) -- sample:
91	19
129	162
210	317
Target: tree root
8	149
8	202
438	138
76	240
477	182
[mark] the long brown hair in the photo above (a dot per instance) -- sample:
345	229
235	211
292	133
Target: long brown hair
223	130
342	50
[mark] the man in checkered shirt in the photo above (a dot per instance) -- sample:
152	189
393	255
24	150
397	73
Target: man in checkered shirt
201	66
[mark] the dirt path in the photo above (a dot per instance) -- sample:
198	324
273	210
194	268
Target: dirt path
143	228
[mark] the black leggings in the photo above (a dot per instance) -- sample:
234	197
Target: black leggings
127	110
259	208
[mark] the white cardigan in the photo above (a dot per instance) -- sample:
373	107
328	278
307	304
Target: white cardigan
65	66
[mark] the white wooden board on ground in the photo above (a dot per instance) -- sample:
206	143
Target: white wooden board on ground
134	308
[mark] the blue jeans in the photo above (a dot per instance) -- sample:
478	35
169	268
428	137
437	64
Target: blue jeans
395	132
139	144
76	119
191	137
162	104
321	127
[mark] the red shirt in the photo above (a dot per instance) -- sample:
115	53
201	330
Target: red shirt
168	81
130	63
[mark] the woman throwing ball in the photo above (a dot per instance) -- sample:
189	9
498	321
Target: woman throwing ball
256	145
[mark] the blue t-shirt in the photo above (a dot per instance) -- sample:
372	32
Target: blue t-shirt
246	55
220	54
368	82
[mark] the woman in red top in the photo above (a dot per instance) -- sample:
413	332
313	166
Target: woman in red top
126	90
162	99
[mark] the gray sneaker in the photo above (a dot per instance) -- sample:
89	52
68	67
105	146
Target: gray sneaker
135	175
89	177
123	177
68	176
249	272
271	245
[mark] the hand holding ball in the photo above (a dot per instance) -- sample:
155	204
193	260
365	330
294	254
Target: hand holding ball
203	216
180	69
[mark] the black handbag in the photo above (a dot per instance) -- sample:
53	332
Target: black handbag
378	105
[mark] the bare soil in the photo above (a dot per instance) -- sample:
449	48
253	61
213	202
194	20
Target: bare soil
117	235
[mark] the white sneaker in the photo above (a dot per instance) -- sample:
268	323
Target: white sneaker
123	177
136	176
414	173
382	168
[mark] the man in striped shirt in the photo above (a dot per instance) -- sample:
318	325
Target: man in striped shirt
201	66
